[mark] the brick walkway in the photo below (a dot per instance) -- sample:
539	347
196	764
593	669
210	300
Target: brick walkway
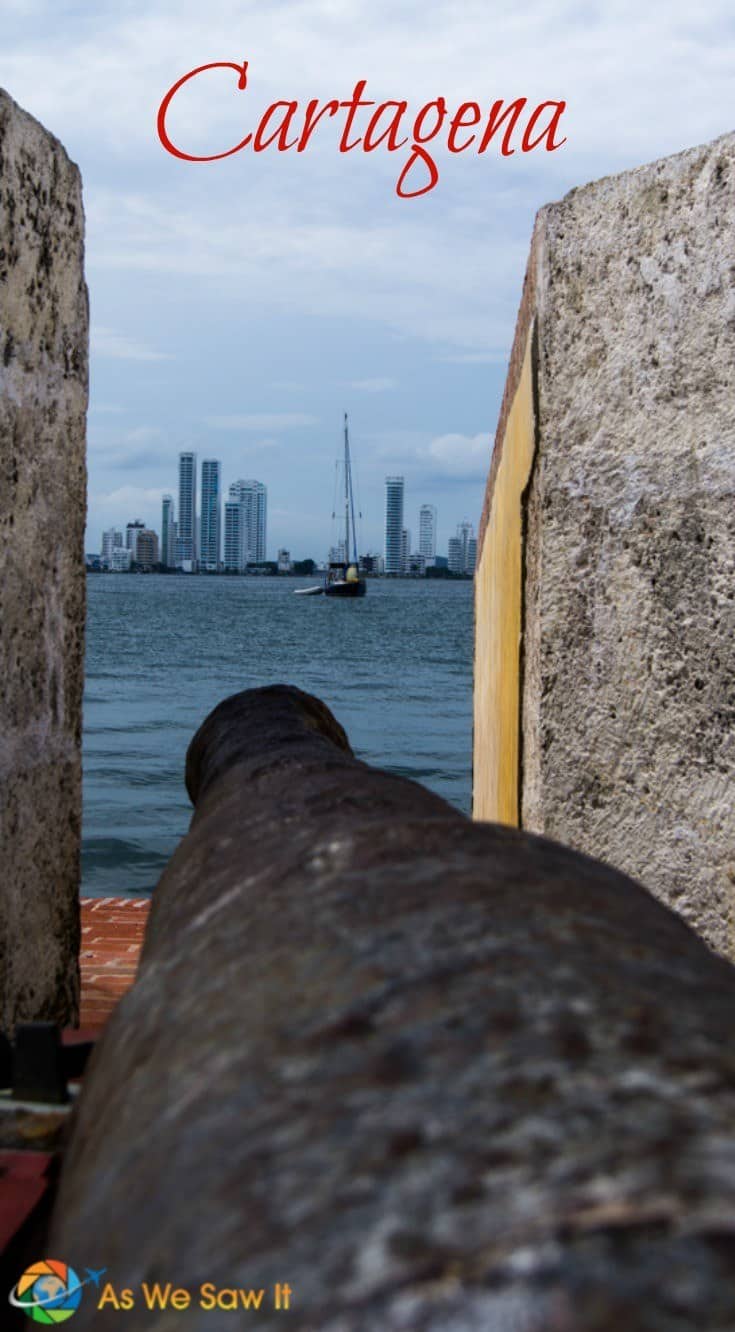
112	936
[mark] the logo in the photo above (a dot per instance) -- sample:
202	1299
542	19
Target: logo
50	1292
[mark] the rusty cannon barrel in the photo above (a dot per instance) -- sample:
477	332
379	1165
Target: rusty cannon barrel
384	1068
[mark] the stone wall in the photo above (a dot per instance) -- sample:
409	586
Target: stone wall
624	666
43	399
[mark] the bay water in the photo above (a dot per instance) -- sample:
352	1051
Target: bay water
394	667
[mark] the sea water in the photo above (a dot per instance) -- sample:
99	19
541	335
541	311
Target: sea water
395	667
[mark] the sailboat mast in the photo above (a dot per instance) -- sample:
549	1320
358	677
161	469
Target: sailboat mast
347	494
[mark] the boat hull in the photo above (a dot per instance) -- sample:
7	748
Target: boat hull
358	588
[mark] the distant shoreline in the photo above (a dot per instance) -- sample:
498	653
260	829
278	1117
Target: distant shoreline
443	577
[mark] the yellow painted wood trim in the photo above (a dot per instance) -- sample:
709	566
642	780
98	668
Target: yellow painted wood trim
498	612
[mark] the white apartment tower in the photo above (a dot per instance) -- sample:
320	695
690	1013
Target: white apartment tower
112	539
131	534
210	536
465	535
463	549
454	561
427	531
393	524
253	496
235	544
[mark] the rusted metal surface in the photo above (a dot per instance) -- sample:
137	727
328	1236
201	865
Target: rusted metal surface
432	1074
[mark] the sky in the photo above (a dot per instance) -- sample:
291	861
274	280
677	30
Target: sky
239	307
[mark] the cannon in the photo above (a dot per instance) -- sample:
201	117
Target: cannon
417	1072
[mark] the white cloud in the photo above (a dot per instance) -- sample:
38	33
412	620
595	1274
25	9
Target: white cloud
106	342
122	60
466	456
262	421
474	358
452	456
143	434
288	260
372	385
126	499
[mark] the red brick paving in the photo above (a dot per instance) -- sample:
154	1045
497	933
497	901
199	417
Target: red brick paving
112	937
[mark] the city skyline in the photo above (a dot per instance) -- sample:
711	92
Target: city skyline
233	533
188	497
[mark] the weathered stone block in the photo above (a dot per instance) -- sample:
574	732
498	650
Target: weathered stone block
43	400
615	626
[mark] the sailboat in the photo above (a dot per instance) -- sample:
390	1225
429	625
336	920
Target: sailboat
343	576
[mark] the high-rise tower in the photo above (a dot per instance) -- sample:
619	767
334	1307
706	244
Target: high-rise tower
234	544
210	538
427	531
393	524
253	496
187	552
131	534
168	532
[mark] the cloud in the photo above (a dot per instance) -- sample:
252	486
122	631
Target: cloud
474	358
106	342
461	456
262	421
290	260
121	59
131	450
126	499
142	434
452	456
371	385
144	460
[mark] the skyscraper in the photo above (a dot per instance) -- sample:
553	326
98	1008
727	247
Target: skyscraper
234	544
186	554
455	555
393	524
463	549
466	534
168	532
112	539
427	531
405	549
253	495
210	539
146	548
131	534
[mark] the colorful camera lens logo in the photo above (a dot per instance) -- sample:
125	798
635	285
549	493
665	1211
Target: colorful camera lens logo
50	1292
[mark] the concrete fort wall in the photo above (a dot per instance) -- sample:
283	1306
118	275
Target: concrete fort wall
604	666
43	399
